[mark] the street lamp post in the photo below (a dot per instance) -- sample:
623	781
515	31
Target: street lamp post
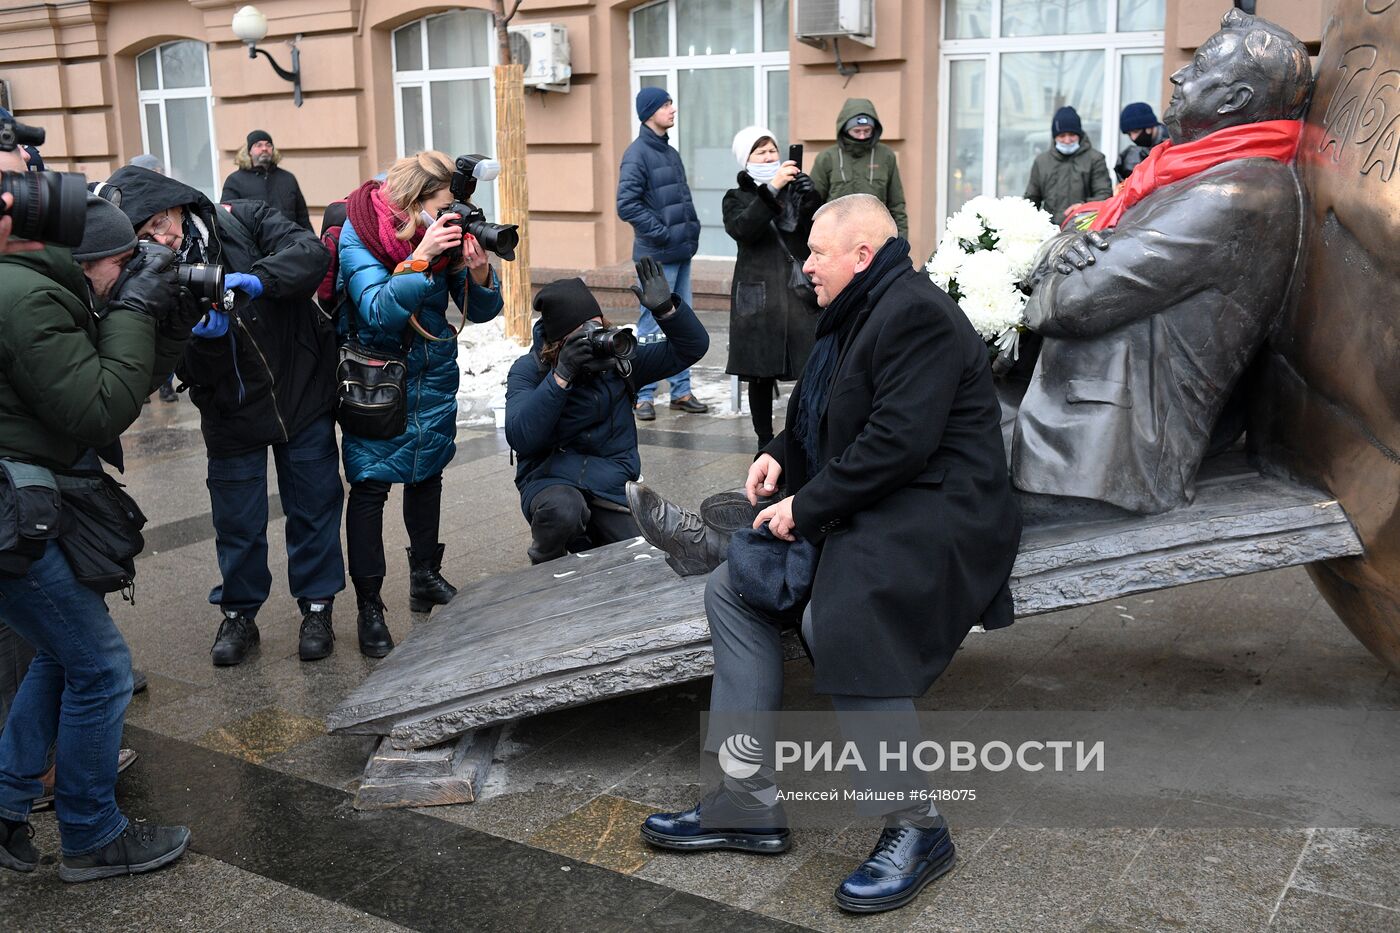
250	26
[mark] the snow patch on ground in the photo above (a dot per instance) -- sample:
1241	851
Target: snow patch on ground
485	355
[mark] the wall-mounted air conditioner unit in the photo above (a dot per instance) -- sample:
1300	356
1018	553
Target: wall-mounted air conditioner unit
818	20
543	50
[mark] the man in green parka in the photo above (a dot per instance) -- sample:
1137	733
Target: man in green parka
1070	172
859	163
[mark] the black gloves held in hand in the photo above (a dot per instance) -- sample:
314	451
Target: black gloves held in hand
574	356
148	284
802	184
655	291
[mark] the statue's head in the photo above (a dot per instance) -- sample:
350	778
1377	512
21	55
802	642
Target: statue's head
1250	71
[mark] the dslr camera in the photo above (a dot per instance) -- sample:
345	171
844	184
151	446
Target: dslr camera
501	239
203	280
613	348
48	206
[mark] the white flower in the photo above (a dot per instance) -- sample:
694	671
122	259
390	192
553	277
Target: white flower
985	279
965	225
989	297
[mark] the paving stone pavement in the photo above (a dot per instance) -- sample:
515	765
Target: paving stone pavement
241	755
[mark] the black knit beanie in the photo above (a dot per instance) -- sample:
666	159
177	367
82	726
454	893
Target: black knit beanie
563	306
258	136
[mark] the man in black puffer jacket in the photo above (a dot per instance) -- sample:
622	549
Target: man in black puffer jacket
652	196
262	375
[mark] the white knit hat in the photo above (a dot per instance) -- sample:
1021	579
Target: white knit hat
746	139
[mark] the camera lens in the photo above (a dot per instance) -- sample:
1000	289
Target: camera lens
204	280
616	342
48	206
501	239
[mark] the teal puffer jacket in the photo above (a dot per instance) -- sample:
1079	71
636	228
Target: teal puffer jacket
383	304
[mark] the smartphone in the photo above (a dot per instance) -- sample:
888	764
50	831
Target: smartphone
795	154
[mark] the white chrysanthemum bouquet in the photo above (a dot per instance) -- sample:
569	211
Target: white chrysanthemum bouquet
988	247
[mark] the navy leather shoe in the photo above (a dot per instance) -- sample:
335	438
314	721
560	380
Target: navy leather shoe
721	820
905	859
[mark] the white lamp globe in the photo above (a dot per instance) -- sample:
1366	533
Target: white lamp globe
249	24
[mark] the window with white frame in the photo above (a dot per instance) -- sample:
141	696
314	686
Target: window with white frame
1008	65
177	112
725	64
442	88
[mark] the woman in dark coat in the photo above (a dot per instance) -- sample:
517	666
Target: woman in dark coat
770	329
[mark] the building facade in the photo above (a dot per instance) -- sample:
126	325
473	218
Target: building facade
965	90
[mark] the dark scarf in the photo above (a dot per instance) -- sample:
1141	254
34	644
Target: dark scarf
833	327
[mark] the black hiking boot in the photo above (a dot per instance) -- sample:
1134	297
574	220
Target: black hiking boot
426	587
140	848
375	640
317	639
238	635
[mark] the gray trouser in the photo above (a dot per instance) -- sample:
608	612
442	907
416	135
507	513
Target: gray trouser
748	692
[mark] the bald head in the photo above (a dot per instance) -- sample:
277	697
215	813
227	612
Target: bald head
846	235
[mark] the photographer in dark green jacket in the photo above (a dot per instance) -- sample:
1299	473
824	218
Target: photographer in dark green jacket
80	349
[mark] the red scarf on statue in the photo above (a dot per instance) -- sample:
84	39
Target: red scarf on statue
377	223
1171	162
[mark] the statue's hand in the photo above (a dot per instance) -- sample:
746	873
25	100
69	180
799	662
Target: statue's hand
1077	252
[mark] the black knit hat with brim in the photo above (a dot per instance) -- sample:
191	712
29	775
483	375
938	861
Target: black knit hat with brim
563	306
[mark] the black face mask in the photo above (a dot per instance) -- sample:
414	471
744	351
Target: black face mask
1143	138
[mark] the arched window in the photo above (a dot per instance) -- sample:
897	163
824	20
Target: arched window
442	88
177	112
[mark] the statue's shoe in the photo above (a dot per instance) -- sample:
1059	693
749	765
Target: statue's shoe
692	547
722	820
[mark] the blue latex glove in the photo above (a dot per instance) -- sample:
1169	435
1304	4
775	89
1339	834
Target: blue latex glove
215	324
249	285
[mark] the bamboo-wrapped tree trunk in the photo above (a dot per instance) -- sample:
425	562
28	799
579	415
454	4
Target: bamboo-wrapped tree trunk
514	196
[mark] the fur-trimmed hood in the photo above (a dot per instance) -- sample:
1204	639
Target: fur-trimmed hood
245	161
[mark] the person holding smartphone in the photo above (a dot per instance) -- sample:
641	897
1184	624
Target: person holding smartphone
769	215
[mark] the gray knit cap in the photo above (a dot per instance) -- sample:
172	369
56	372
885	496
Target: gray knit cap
107	232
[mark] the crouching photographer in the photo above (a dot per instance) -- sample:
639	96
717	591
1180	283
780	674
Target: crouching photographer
569	410
81	346
261	371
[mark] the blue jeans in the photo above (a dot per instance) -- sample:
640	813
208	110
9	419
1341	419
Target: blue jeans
75	693
308	477
678	274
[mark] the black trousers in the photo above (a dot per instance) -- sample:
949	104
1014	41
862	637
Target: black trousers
364	521
562	521
761	407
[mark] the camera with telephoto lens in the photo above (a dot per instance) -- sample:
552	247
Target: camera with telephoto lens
615	342
501	239
48	206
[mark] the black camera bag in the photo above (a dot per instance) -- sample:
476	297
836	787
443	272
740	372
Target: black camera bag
371	396
101	530
30	514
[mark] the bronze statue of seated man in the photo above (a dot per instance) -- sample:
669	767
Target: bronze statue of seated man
1151	315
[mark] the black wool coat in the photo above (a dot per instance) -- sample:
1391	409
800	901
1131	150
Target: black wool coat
912	508
771	330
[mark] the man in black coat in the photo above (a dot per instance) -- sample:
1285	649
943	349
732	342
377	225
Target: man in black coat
893	466
260	177
262	375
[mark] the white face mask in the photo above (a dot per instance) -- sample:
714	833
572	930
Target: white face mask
1067	148
762	172
426	218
